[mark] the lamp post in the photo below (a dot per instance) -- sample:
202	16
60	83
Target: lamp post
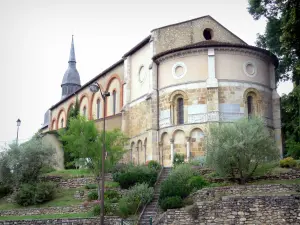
18	125
95	87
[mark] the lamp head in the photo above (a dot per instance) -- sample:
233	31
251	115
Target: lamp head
94	87
18	122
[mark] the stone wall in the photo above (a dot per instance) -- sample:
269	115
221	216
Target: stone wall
43	211
253	204
79	221
75	182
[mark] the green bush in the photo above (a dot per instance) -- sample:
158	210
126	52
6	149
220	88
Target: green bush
173	202
29	194
44	192
177	183
197	182
112	195
92	195
46	169
5	190
136	197
288	162
178	159
91	186
108	209
198	161
152	164
25	195
134	175
127	206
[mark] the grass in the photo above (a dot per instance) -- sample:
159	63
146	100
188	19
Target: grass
63	197
72	173
48	216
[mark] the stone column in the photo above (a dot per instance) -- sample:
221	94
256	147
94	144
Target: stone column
138	154
126	94
160	153
172	150
188	148
212	89
277	120
145	152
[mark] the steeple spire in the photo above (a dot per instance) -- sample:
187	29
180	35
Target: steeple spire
72	52
71	79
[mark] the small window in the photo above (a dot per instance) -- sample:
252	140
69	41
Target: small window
180	114
114	102
98	108
84	111
250	106
62	123
208	34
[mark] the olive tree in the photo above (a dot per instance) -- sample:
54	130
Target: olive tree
236	149
23	163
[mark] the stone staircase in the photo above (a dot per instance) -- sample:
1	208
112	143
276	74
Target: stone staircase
151	208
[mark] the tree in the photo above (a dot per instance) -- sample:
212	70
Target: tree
235	150
282	35
83	140
23	163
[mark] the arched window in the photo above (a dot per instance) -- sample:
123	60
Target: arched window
114	102
62	123
180	112
84	111
250	106
98	108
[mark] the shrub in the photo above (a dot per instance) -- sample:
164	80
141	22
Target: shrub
197	182
127	206
173	202
288	162
44	192
134	175
108	209
92	195
112	195
25	195
142	192
177	183
178	159
152	164
5	190
235	149
47	169
29	194
91	186
136	197
198	161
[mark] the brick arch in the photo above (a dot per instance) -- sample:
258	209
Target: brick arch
176	93
61	110
195	128
248	91
92	100
89	106
174	132
257	100
69	108
53	123
112	77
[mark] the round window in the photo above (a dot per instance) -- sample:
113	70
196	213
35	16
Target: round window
179	70
249	69
208	34
142	74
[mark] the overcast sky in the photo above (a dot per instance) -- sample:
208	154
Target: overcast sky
35	39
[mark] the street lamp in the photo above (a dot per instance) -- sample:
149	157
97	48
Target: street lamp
18	125
95	87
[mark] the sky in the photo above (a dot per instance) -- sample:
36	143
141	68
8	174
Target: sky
35	40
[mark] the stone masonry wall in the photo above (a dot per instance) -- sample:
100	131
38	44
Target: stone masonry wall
253	204
94	221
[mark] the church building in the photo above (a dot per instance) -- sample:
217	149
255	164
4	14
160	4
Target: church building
167	90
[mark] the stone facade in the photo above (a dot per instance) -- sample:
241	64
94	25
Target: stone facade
174	84
269	204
